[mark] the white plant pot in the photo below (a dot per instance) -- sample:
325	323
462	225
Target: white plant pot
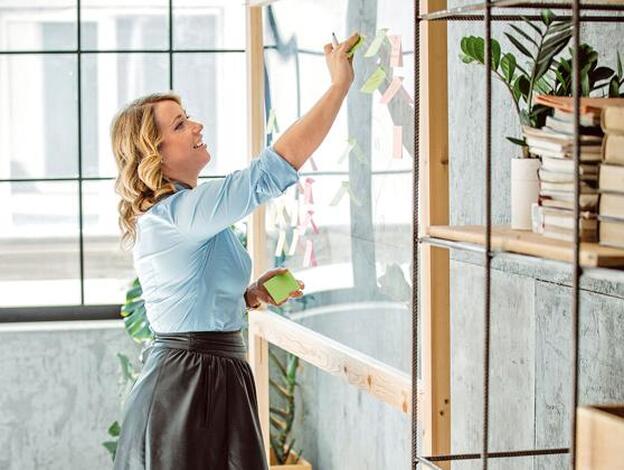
524	191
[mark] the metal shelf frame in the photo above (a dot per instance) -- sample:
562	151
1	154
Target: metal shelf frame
483	12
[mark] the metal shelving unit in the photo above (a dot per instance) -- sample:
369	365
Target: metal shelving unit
488	237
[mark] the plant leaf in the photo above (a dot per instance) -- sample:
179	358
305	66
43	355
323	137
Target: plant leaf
585	85
601	73
523	34
524	85
547	16
114	429
508	66
614	87
532	25
466	59
516	141
495	51
519	46
619	65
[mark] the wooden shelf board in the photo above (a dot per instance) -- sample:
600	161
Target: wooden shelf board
529	243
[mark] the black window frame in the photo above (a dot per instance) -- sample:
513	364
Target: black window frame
84	311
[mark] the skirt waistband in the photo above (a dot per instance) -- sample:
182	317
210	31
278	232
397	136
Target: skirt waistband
221	343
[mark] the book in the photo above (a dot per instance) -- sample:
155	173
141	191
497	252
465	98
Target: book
585	187
564	218
612	119
566	234
565	200
611	178
589	119
588	105
566	165
565	126
561	146
612	205
563	177
611	231
549	135
613	149
588	155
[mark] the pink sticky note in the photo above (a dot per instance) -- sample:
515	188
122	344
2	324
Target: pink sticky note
311	220
307	191
313	262
397	142
396	52
391	90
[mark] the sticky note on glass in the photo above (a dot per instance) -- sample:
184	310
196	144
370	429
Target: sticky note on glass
396	52
373	82
391	90
357	44
281	285
377	42
272	123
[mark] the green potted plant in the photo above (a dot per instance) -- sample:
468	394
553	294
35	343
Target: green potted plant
283	455
542	73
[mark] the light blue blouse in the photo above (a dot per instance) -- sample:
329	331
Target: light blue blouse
192	267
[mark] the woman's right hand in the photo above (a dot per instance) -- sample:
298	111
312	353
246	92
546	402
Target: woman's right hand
339	65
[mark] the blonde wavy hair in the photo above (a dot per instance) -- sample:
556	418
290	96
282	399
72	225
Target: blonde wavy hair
140	182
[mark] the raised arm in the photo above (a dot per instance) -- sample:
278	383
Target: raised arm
304	136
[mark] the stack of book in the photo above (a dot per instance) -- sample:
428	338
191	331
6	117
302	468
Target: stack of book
554	144
611	211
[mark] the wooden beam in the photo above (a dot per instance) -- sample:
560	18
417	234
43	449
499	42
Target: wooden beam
258	354
382	381
435	261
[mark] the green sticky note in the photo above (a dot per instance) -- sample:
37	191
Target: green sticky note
373	82
377	42
358	43
281	285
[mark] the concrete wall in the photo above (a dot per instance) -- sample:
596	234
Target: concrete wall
61	390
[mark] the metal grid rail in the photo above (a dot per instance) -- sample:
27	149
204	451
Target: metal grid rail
467	13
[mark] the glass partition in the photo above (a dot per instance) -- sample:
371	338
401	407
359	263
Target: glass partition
345	229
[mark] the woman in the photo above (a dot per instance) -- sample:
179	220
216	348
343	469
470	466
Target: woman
194	404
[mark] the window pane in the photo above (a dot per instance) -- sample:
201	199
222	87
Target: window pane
38	25
133	26
108	269
39	250
39	135
213	90
108	82
293	20
208	24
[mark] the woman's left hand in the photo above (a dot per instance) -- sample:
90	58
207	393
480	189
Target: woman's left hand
257	293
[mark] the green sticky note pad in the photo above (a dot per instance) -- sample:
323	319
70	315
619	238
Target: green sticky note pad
358	43
281	285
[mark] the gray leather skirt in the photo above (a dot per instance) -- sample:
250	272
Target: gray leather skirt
193	407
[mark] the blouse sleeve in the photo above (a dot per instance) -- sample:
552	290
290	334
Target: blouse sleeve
211	207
